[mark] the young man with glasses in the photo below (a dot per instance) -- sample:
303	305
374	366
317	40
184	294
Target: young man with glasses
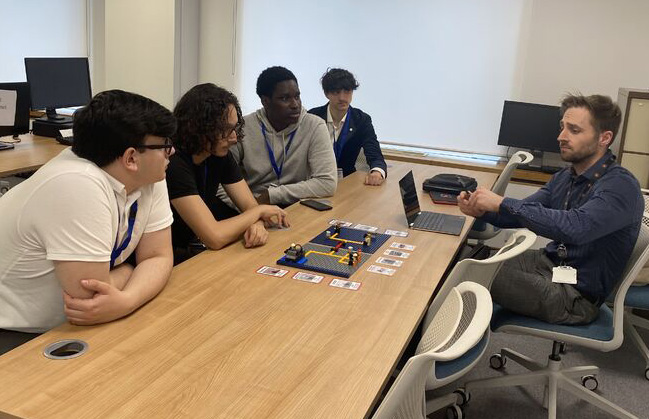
68	230
209	123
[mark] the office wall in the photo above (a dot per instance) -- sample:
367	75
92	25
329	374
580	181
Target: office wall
218	40
40	28
435	72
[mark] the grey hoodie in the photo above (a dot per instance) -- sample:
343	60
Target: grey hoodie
309	165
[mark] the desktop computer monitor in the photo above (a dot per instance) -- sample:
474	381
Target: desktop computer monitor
21	119
530	126
58	83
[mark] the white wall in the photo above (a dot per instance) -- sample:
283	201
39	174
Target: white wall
436	72
39	28
218	37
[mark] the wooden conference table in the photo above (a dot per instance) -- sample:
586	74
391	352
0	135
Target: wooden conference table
223	341
29	154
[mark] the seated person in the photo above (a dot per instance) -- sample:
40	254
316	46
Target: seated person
68	229
209	123
350	129
287	154
591	211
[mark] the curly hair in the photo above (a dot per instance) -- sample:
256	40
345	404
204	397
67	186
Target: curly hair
202	116
115	120
605	115
336	79
269	78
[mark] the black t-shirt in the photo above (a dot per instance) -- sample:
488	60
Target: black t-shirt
184	178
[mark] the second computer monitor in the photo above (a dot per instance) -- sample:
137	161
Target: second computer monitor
21	119
58	83
530	125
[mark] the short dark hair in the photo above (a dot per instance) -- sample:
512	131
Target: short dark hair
269	78
336	79
115	120
605	115
202	115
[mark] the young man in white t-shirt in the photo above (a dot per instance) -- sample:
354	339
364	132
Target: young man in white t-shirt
68	229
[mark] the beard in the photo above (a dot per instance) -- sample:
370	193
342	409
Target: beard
573	156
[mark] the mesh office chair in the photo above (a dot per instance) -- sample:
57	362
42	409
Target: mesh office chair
604	334
461	321
483	231
638	297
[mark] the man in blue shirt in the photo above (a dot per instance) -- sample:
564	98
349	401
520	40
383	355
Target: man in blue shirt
591	211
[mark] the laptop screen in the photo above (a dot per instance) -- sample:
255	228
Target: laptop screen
409	197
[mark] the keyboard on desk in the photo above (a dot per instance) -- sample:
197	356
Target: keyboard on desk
426	220
65	140
542	169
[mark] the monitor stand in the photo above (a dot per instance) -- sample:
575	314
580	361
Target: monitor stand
51	117
537	163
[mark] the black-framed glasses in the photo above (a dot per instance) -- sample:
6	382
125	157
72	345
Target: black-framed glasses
167	146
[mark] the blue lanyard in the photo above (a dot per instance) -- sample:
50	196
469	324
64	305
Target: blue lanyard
271	155
340	143
117	250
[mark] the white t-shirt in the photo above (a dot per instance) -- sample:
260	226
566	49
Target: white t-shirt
69	210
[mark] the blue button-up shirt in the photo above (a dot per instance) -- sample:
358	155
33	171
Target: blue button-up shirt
596	215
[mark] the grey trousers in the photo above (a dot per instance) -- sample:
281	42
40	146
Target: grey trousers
524	285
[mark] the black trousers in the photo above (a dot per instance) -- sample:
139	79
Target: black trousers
10	339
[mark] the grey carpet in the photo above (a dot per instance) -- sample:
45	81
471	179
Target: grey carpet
621	380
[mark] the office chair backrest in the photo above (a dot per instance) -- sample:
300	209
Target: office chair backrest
637	261
520	157
460	323
481	271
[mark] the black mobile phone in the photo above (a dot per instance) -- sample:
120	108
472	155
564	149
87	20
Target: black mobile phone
316	205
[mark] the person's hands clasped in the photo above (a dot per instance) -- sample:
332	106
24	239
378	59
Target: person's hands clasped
477	203
255	235
107	304
272	215
374	178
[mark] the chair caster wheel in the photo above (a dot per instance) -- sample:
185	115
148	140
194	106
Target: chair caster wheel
463	396
646	373
590	382
497	361
454	412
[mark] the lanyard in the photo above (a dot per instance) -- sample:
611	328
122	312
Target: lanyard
271	155
338	144
562	251
117	250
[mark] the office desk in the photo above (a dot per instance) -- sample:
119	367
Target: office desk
223	341
29	154
521	176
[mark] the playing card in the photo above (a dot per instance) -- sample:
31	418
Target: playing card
341	283
397	233
307	277
269	270
342	223
381	270
388	261
366	228
402	246
396	253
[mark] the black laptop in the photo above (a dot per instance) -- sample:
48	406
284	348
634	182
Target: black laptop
426	220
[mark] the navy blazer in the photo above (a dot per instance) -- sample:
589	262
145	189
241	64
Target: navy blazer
360	134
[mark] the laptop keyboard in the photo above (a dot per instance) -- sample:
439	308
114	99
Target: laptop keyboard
429	221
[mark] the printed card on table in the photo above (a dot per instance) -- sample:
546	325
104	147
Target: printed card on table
342	223
396	253
397	233
269	270
307	277
402	246
381	270
342	283
388	261
364	227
